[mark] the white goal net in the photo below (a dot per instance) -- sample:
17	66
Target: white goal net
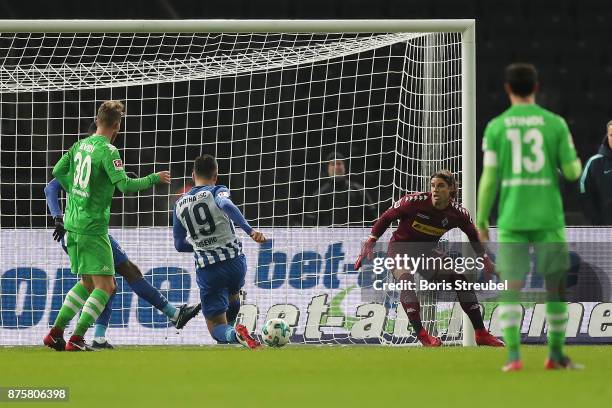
315	133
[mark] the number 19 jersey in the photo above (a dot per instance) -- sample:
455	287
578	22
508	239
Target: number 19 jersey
209	231
528	144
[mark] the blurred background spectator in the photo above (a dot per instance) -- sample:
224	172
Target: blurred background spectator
596	183
339	200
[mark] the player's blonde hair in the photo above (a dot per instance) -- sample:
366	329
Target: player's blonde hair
449	178
109	113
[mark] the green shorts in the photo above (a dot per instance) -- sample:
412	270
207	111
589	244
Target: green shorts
549	246
90	254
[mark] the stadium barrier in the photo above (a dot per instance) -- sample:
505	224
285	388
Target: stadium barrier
313	287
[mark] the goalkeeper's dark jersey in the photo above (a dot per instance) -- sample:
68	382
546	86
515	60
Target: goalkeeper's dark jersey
420	221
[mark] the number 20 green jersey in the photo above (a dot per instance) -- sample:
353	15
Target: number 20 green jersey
528	144
89	172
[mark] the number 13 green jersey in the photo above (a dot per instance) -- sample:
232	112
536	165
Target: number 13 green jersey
528	144
89	172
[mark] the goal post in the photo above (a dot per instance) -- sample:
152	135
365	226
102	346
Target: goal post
468	146
275	101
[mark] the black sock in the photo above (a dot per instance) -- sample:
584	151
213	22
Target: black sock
413	309
469	303
472	309
232	312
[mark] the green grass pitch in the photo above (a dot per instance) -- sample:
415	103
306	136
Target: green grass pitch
309	376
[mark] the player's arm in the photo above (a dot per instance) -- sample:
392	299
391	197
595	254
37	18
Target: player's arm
132	185
571	167
180	234
52	191
222	198
470	230
487	188
398	210
113	165
572	170
61	170
383	222
480	249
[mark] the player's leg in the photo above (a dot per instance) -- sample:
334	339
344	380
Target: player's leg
234	285
213	297
552	261
471	307
134	277
214	307
233	308
104	287
236	275
178	316
218	327
513	264
95	260
131	273
101	325
73	302
214	282
224	333
412	307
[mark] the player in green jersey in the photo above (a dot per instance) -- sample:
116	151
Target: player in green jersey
89	173
523	149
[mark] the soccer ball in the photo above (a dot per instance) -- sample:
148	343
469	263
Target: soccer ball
275	333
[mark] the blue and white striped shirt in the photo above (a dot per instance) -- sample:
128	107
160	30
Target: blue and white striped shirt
203	223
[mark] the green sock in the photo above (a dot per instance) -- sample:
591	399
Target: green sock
93	307
74	301
511	318
556	317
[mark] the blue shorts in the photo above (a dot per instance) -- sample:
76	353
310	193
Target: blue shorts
217	281
119	255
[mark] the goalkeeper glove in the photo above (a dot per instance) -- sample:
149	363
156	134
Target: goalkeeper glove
367	251
59	231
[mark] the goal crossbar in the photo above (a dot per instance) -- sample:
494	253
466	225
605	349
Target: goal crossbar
464	26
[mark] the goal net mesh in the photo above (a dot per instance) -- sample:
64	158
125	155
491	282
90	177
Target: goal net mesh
316	134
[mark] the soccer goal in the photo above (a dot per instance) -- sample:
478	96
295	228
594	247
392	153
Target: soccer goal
318	126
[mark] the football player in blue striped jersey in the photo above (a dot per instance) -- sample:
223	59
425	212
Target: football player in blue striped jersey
203	223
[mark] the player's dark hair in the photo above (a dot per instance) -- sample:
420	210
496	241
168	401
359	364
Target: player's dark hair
205	166
522	78
448	177
92	128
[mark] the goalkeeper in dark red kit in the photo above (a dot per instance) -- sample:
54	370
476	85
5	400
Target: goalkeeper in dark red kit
424	218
